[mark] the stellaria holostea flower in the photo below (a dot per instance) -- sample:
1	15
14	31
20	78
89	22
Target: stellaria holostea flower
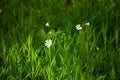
47	24
48	43
78	27
87	24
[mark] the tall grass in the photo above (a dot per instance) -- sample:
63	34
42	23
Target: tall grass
92	53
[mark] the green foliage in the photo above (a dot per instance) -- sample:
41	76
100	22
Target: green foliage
92	53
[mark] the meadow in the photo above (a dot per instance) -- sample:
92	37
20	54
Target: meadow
52	40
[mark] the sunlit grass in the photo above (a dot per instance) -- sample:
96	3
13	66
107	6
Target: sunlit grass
44	40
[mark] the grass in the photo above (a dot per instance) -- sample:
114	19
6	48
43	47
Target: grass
92	53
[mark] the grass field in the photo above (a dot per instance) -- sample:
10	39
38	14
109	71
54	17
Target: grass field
49	40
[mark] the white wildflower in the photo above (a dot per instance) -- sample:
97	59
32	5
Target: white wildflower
48	43
87	24
47	24
78	27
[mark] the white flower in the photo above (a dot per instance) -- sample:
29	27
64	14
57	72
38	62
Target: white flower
48	43
87	24
78	27
47	24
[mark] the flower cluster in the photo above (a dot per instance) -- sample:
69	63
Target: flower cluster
48	42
